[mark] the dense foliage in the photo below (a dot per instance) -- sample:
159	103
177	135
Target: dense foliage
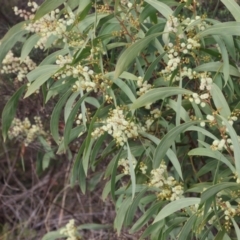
150	87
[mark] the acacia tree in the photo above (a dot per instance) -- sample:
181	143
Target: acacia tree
151	86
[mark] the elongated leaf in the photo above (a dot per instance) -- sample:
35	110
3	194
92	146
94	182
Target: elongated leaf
182	112
148	73
236	227
77	170
107	187
9	40
93	226
217	67
70	120
170	154
131	170
41	70
212	191
203	131
40	81
29	45
47	7
220	101
53	235
56	115
156	94
167	141
145	217
164	9
75	132
121	214
131	53
236	144
50	59
233	8
225	58
69	105
176	206
213	154
9	111
188	226
226	28
133	208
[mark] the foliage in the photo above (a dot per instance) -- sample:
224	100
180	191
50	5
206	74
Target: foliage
153	88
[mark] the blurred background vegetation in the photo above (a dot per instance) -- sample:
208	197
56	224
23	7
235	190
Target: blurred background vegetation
34	200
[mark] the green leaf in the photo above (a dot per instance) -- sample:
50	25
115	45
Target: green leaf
122	85
11	38
131	53
133	208
164	9
29	45
89	140
53	235
108	188
40	70
47	7
151	211
213	154
77	170
203	131
69	105
121	214
167	141
220	101
156	94
176	206
217	67
51	58
233	8
114	176
75	132
56	115
236	227
70	120
225	58
188	226
220	235
9	111
93	226
236	144
170	154
40	75
131	170
148	73
226	28
213	190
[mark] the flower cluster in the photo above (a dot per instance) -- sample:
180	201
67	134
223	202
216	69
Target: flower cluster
79	119
63	60
24	13
143	88
49	25
123	162
170	189
172	24
25	131
70	231
14	65
201	25
198	99
87	79
218	145
118	126
206	81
